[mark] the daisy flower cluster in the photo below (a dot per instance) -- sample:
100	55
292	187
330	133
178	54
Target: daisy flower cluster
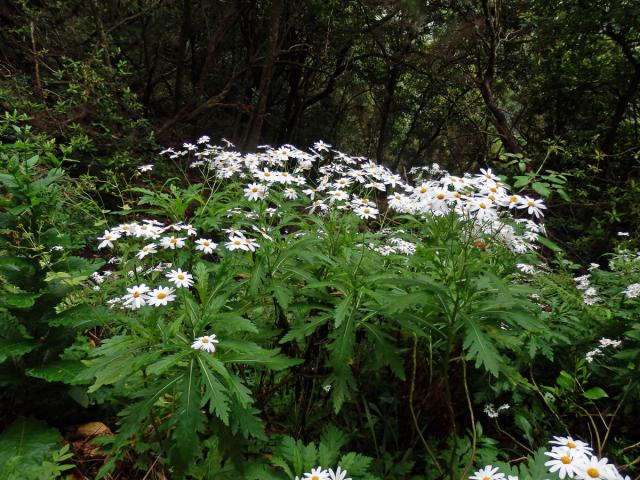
493	412
603	344
632	291
569	458
157	237
326	179
589	293
320	473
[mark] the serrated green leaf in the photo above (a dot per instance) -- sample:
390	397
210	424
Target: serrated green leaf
189	421
304	328
215	392
282	294
26	447
64	371
344	308
82	317
480	348
355	464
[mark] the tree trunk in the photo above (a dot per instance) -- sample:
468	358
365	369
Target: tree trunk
182	52
498	118
385	114
257	118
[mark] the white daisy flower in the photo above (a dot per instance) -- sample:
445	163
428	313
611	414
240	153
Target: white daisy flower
236	243
205	343
366	212
339	474
594	469
533	206
316	474
108	238
172	242
487	473
564	461
145	168
575	446
146	250
161	296
290	194
136	297
255	191
179	278
205	245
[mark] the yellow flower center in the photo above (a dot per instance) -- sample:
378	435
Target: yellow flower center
366	210
237	242
254	189
593	472
136	294
571	445
492	197
457	195
513	198
423	189
173	240
267	174
161	295
206	244
440	196
482	205
107	237
486	478
315	477
205	340
531	204
565	460
180	277
494	189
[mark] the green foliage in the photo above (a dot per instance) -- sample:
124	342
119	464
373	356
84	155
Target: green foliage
30	449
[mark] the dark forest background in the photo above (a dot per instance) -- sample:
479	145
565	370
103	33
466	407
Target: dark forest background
527	87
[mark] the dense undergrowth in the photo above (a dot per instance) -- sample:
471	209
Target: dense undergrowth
277	314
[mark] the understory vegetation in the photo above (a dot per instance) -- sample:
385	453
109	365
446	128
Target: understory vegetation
319	240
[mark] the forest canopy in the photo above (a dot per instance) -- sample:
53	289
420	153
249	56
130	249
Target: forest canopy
458	83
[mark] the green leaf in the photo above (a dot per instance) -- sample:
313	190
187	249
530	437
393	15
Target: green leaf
26	447
282	294
304	328
595	393
64	371
549	244
331	442
260	357
480	348
355	464
83	317
542	188
15	341
189	420
166	362
521	181
343	309
215	392
17	300
565	380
